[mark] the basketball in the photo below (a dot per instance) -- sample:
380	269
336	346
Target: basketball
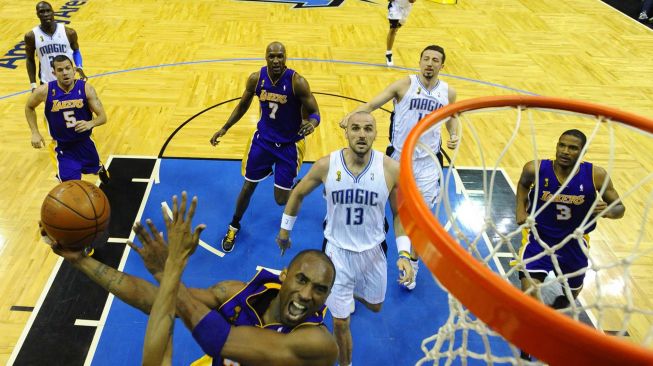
75	213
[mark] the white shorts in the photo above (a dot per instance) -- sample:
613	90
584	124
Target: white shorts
361	274
399	10
427	177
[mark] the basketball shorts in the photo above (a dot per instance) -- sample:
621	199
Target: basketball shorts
398	11
570	257
427	176
74	158
361	274
262	156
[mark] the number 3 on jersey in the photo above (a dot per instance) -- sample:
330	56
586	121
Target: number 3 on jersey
564	212
357	216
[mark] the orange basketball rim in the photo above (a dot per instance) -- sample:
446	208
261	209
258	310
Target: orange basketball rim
523	321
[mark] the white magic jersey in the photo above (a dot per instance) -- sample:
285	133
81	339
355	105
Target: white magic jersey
417	103
355	205
47	47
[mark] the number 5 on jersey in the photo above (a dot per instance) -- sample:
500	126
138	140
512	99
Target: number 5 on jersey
69	116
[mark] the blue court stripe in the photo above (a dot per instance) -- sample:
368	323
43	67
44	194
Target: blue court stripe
358	63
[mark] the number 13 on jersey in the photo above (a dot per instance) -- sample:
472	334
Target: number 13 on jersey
354	215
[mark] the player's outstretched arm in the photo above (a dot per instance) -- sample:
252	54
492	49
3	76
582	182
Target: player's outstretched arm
526	179
404	248
30	51
309	104
453	123
395	90
610	196
182	241
136	291
315	176
37	97
157	349
241	108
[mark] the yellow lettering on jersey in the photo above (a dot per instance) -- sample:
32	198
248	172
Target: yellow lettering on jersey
66	104
273	97
564	198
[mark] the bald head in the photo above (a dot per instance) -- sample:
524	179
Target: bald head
275	47
275	55
41	4
361	117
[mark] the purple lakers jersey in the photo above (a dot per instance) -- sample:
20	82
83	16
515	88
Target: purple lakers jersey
567	210
281	114
63	109
248	306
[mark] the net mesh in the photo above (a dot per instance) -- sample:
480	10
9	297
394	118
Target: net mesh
614	298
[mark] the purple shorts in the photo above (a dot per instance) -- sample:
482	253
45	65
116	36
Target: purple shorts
263	155
571	258
75	158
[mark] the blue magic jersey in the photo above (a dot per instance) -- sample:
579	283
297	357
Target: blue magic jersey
568	209
63	109
281	114
247	307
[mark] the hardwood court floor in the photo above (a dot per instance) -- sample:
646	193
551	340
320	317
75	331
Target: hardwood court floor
582	49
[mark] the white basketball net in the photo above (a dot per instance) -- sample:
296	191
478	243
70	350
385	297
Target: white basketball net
611	298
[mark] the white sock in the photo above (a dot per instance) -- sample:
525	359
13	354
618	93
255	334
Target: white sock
388	52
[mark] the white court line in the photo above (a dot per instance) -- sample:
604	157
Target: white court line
117	240
86	323
156	171
141	180
475	192
203	244
275	271
121	266
456	180
35	312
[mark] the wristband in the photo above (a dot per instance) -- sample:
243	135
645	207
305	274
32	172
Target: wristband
315	116
33	85
287	221
77	57
404	254
403	244
211	333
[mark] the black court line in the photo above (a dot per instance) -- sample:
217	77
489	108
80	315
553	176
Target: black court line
53	338
614	333
183	124
21	308
165	144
